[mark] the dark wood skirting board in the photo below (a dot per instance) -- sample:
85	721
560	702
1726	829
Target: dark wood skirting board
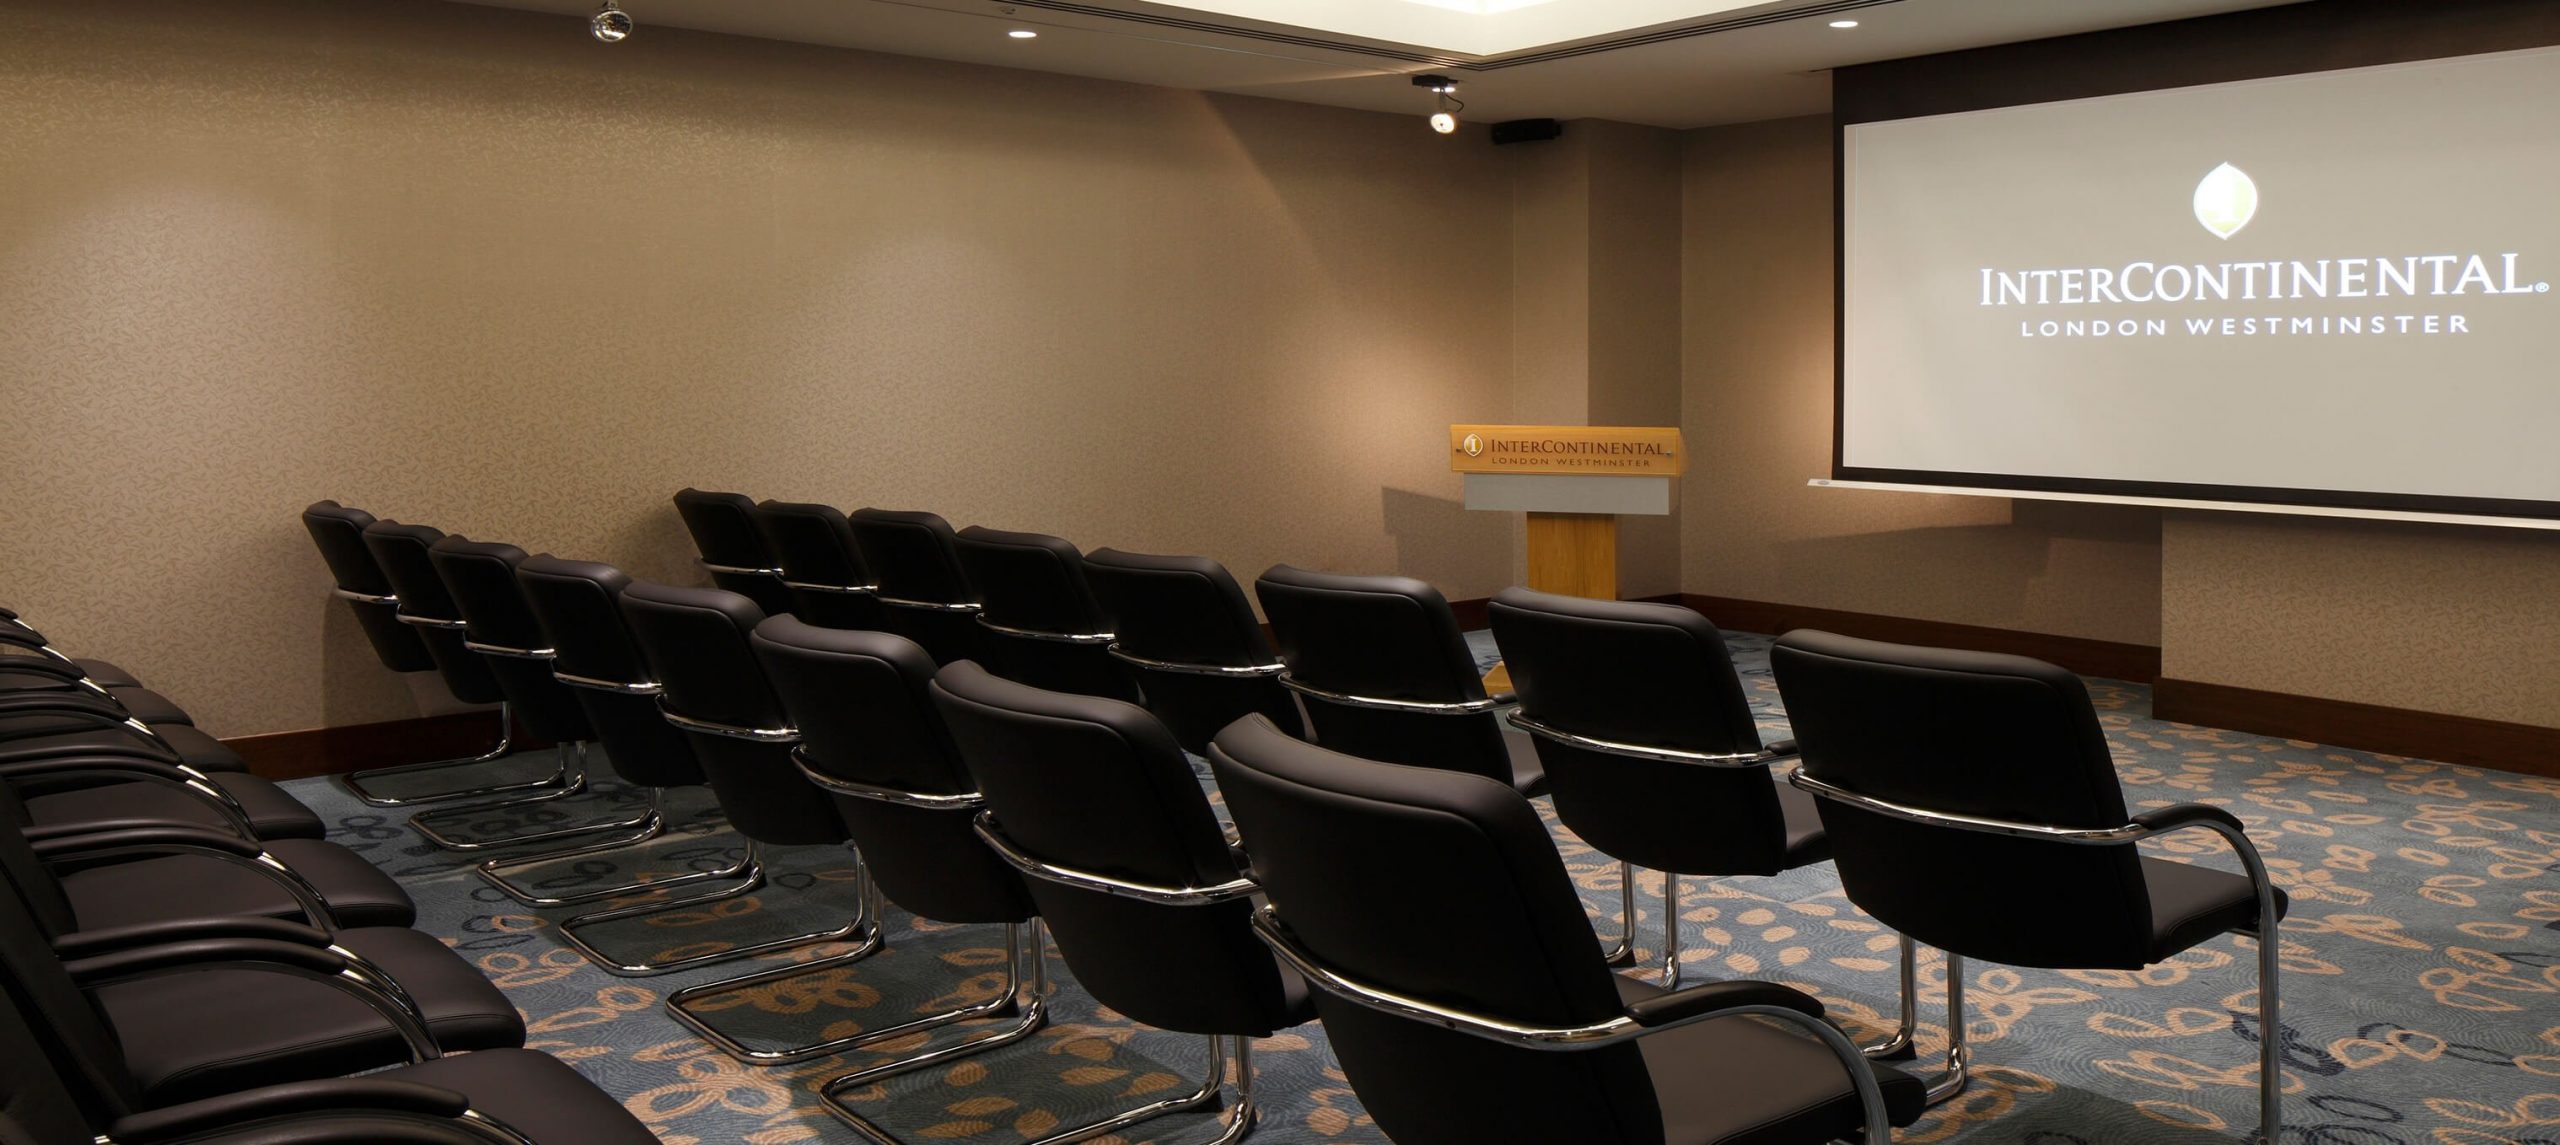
360	747
2107	658
2436	736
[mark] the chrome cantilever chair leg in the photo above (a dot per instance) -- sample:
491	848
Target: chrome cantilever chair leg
1898	1047
1233	1125
573	767
1670	930
863	928
1624	952
355	782
682	1006
1030	1006
649	827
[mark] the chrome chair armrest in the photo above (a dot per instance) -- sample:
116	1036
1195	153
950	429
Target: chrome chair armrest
969	606
1522	720
995	839
838	589
728	731
416	621
167	773
1186	668
739	570
618	687
511	653
392	599
1038	634
81	944
838	785
1623	1028
1381	703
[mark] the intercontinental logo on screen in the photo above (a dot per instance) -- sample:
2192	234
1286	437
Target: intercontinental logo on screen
2345	293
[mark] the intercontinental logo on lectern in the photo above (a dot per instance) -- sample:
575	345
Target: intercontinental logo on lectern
2346	293
1472	445
1609	449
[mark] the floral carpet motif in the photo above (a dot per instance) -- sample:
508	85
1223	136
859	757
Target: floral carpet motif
2421	974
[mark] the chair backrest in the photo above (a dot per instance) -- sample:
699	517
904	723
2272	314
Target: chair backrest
1384	638
338	531
1649	675
924	591
724	532
579	605
402	552
1975	734
822	567
481	578
865	717
1187	616
1099	786
1045	628
1446	888
695	640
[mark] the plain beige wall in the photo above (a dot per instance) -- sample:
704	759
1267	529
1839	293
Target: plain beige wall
467	267
1757	411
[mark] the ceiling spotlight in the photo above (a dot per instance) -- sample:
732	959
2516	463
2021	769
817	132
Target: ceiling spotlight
611	25
1023	34
1445	120
1844	23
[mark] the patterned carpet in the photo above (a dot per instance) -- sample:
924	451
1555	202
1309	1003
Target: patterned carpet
2422	975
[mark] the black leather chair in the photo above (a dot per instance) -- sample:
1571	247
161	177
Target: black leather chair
1473	979
140	875
45	672
85	792
871	739
63	1081
1936	768
1044	626
927	595
733	549
695	643
400	634
500	626
1093	801
1187	635
1387	675
822	567
205	1005
579	607
1650	747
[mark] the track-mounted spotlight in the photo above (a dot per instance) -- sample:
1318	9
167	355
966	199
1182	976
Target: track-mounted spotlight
610	24
1445	120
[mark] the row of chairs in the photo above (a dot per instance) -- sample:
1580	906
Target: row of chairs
183	958
1634	709
1642	733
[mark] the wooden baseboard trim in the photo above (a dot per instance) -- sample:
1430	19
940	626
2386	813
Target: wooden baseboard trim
360	747
2467	740
2106	658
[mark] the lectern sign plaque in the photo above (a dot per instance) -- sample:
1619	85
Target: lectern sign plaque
1592	450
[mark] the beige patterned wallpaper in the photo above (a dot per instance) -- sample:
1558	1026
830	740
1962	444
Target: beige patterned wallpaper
1757	415
466	267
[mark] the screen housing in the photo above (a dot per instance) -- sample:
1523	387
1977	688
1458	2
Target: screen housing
2296	39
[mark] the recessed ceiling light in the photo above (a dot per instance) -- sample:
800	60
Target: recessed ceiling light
1844	23
1023	34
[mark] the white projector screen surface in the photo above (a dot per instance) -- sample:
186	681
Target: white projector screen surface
2329	289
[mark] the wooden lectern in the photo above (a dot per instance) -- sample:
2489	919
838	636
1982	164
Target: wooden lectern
1574	481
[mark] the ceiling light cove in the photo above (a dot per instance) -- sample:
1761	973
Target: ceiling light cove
1472	27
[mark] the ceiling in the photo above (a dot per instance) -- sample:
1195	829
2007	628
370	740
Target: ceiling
1716	61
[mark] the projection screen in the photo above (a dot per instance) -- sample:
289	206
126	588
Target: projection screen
2329	289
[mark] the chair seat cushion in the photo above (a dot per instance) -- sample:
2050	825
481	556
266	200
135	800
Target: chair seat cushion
107	674
1806	844
196	1034
198	886
1528	775
272	813
150	707
535	1094
2190	904
1739	1081
195	748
